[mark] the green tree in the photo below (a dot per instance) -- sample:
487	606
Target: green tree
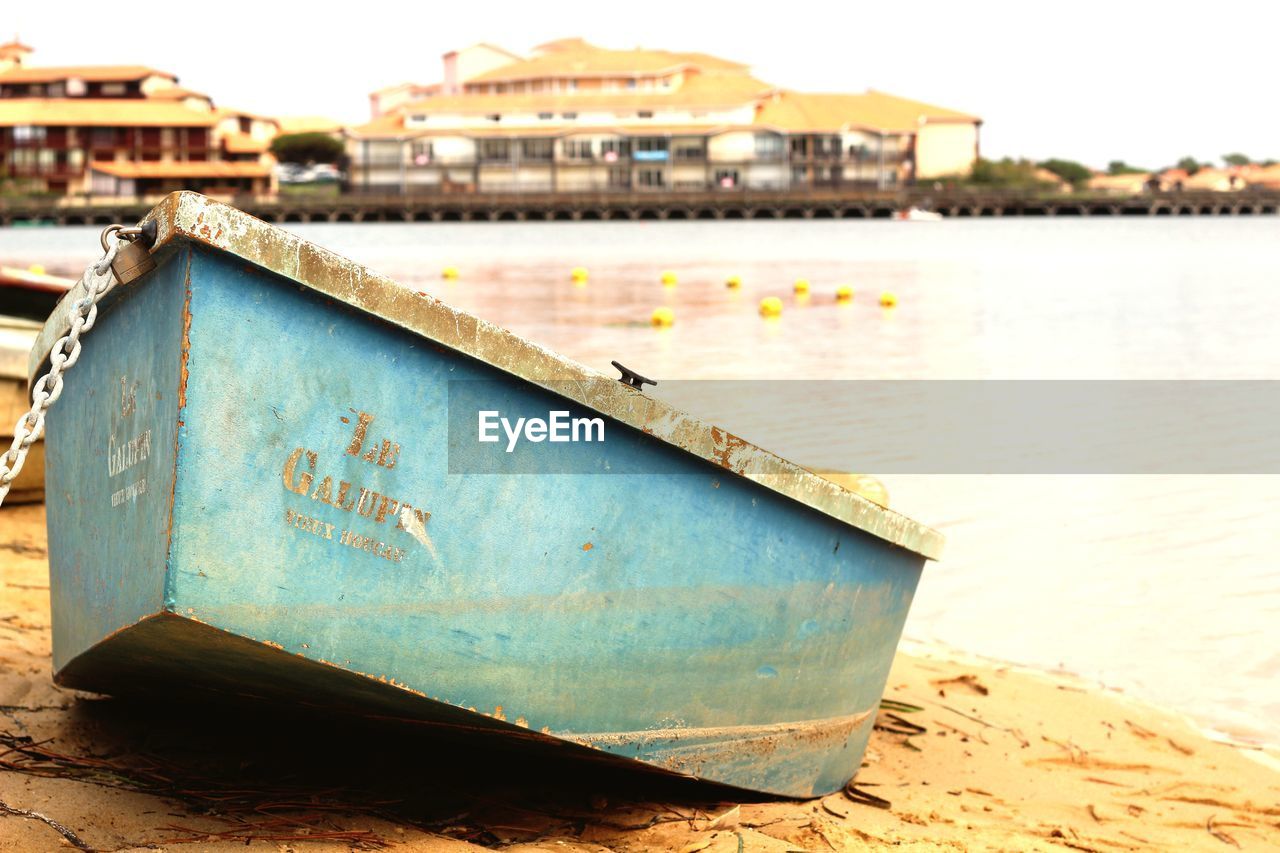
1190	165
1236	159
1120	167
1070	171
307	148
1004	173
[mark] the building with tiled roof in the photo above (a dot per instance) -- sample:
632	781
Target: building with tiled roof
574	116
123	130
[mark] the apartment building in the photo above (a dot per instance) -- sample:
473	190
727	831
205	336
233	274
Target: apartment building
123	130
575	117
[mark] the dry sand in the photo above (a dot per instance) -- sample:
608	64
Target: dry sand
995	759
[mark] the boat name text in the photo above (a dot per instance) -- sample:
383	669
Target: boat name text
300	476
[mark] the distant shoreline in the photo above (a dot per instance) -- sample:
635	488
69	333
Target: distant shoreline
815	203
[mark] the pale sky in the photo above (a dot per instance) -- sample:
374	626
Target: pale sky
1093	81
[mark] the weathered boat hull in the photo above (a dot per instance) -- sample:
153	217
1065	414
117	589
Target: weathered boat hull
200	530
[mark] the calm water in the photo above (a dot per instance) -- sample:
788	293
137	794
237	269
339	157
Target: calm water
1166	586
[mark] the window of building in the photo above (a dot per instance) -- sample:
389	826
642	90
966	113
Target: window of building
726	178
383	152
57	90
651	148
612	149
46	158
619	178
569	116
689	149
573	85
644	114
422	152
546	116
768	146
112	90
76	87
799	146
631	83
652	178
495	149
536	149
494	117
577	149
28	133
75	158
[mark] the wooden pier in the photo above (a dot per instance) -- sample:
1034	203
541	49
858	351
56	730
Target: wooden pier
805	204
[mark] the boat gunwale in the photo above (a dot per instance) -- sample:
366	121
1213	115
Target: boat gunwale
191	216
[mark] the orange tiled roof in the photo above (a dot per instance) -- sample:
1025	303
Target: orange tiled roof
208	169
176	93
630	128
699	91
100	112
576	58
11	46
1266	176
1133	181
244	143
793	111
89	73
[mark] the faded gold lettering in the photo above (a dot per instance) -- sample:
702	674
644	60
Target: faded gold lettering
304	479
363	419
324	491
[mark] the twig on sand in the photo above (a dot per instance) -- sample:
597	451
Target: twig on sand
72	839
900	707
899	725
1219	834
863	798
1017	734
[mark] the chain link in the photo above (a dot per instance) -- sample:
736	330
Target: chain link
97	281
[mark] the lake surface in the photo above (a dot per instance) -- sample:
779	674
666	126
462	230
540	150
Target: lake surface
1165	586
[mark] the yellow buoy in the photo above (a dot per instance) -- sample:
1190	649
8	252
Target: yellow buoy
888	300
669	279
662	317
578	274
802	285
770	306
449	272
844	293
36	269
733	282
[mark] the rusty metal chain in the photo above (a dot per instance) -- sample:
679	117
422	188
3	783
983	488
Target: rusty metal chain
97	281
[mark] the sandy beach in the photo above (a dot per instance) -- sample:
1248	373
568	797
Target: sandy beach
968	755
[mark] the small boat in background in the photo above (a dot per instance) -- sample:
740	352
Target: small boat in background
275	491
915	214
27	297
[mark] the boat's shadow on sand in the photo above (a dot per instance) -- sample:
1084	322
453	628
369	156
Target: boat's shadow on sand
261	768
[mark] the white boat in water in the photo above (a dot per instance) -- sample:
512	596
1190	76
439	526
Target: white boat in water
915	214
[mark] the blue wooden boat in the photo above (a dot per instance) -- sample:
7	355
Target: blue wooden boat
257	486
